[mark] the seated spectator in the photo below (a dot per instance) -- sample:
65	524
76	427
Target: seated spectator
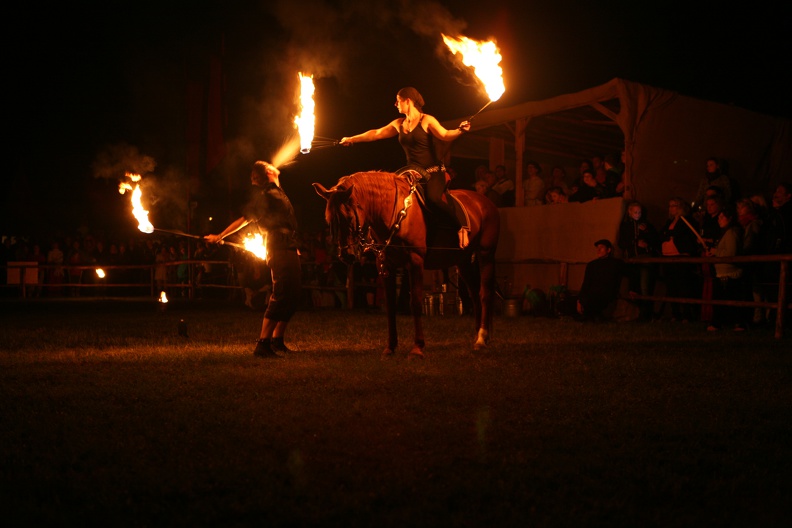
533	185
589	190
601	282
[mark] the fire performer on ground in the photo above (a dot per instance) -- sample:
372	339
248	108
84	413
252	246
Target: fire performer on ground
416	132
271	209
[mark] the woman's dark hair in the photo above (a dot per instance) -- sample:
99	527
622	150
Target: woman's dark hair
411	93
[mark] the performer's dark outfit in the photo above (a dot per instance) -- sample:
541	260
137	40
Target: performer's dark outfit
418	145
271	209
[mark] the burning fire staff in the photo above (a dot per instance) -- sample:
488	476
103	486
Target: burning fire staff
416	132
271	209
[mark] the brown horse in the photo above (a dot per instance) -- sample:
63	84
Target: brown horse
382	212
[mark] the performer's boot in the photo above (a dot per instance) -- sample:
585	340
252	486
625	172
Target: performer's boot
278	345
464	240
264	349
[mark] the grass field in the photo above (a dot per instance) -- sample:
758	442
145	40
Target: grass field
110	417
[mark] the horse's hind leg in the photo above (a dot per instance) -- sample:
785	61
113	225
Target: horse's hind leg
470	274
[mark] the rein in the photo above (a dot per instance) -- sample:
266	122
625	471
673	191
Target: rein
379	249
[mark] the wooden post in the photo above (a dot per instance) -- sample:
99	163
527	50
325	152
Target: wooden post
563	274
782	275
350	284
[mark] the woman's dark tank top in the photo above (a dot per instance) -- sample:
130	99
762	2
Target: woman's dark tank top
418	146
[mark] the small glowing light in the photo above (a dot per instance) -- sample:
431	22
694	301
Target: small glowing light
100	273
163	298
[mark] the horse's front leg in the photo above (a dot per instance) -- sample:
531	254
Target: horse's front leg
416	301
389	282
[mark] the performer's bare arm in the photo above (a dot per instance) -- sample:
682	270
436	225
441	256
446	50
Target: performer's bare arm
375	134
440	132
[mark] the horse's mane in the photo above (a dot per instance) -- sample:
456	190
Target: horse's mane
372	189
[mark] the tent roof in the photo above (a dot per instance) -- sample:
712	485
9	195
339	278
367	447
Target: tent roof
575	125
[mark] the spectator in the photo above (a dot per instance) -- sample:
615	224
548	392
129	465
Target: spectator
601	283
714	176
751	224
729	283
638	238
589	190
533	186
55	276
678	239
558	178
778	236
710	232
493	195
482	187
504	186
556	195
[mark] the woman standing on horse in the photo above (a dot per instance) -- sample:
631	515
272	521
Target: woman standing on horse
416	132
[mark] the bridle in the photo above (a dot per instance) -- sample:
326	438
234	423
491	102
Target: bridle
361	240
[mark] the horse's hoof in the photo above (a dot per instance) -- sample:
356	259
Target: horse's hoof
387	353
415	353
478	347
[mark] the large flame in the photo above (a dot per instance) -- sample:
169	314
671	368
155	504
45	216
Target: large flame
140	213
255	244
484	58
305	122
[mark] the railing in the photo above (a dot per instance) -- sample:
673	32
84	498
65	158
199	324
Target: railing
30	279
19	274
781	305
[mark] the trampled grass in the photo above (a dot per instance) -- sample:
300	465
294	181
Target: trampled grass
109	416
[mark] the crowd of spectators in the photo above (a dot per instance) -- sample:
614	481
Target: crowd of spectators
719	223
600	177
67	266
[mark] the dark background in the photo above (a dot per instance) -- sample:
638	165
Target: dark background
99	88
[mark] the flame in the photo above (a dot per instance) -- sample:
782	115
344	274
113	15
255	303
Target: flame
485	59
163	298
305	122
100	273
137	208
255	244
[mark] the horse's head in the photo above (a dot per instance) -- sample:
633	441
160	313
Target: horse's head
343	215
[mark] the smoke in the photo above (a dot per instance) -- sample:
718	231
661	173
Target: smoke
328	38
163	192
117	160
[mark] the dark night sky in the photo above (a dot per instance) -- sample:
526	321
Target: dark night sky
94	85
